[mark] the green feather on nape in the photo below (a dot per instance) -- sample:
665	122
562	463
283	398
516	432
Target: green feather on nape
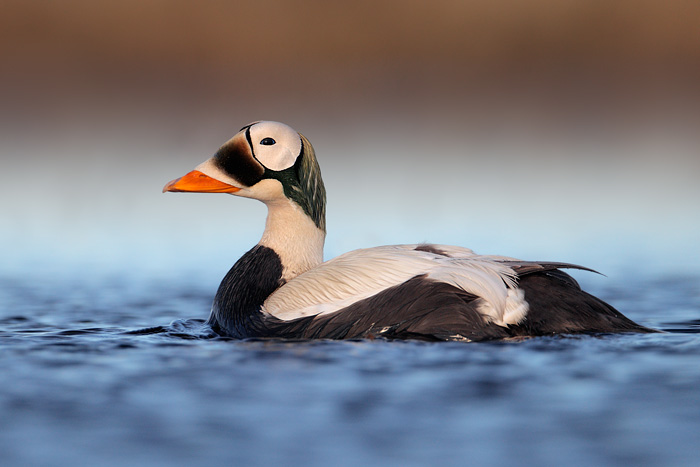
311	184
303	184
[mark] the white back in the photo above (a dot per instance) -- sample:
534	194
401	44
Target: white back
360	274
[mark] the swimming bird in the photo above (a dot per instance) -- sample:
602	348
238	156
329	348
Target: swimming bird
282	288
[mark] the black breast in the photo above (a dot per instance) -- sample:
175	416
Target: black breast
236	308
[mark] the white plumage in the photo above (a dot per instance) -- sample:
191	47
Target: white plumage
360	274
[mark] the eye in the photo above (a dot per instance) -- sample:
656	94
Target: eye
267	142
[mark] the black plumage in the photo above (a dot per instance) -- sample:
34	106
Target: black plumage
236	308
558	305
236	158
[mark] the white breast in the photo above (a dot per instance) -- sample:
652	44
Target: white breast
360	274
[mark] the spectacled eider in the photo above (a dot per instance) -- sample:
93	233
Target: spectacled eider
282	287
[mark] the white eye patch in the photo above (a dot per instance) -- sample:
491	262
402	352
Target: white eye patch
275	145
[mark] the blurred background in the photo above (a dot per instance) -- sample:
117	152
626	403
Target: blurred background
548	129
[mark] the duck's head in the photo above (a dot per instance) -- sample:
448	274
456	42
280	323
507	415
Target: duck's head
268	161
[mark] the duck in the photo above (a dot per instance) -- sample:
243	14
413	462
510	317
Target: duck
282	288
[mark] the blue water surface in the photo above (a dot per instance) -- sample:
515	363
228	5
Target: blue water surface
79	388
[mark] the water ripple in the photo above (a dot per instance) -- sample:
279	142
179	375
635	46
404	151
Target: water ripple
83	373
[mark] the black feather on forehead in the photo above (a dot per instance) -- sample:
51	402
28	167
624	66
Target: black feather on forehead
236	158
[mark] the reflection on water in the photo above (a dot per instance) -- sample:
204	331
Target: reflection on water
80	388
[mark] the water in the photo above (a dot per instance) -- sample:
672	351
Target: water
79	389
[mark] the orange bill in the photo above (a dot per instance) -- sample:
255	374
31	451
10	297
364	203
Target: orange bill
198	182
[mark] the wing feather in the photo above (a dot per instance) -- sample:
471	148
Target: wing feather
360	274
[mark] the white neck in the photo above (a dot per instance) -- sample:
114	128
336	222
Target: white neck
291	233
